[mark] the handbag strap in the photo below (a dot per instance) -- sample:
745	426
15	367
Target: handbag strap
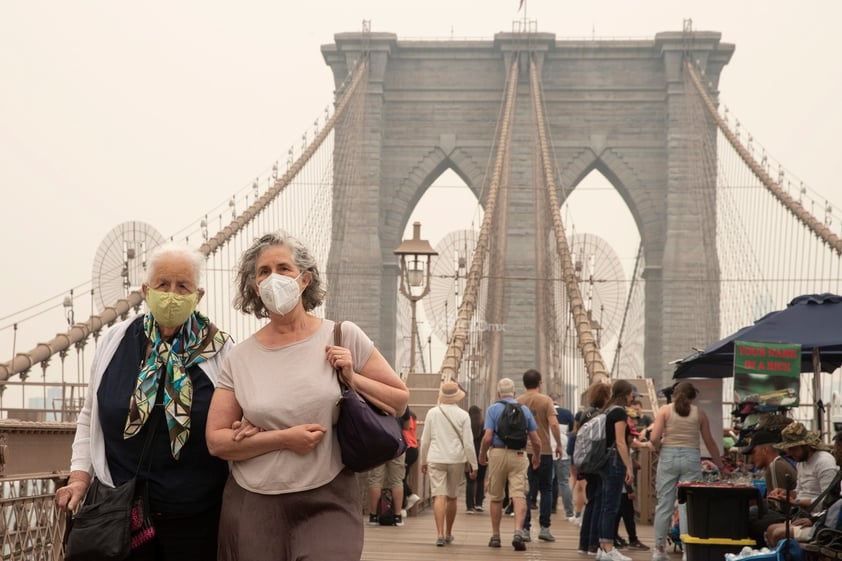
451	424
153	423
458	434
337	341
146	444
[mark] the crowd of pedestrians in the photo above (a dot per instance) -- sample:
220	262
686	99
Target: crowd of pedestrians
253	413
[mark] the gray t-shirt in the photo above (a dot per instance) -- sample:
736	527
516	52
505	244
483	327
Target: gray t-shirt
288	386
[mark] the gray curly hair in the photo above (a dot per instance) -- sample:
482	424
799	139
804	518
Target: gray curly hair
248	300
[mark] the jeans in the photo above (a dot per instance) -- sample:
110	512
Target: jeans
589	531
542	480
562	485
626	514
674	465
613	478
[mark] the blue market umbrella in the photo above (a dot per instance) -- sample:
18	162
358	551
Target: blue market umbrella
811	320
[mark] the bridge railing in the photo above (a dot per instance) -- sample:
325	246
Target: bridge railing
31	526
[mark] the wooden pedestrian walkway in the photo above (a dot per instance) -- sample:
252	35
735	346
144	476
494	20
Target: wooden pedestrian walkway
415	540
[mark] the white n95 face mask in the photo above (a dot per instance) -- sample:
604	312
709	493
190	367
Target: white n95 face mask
279	293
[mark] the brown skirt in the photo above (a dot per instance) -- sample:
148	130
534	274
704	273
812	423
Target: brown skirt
316	525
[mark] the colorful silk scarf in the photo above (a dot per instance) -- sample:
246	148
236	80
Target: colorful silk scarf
197	341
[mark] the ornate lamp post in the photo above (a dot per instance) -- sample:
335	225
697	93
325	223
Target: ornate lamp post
415	273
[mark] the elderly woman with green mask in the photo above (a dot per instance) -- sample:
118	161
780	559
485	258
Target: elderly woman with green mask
157	372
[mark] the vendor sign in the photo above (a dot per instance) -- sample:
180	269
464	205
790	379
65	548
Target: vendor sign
767	373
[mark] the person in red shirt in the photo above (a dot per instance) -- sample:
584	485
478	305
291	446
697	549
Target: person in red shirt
411	438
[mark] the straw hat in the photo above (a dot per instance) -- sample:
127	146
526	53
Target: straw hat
450	392
796	434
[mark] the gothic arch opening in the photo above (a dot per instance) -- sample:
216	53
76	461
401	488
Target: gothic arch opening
605	242
448	212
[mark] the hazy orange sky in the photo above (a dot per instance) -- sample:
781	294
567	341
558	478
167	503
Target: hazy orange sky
159	111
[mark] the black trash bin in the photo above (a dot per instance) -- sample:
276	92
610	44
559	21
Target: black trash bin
717	519
717	510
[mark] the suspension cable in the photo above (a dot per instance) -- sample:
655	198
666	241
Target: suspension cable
584	332
453	354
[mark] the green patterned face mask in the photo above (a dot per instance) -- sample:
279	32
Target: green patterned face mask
170	309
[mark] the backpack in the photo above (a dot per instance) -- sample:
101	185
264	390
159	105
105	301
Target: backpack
385	509
590	451
511	426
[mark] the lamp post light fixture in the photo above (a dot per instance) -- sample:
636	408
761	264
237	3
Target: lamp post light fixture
415	273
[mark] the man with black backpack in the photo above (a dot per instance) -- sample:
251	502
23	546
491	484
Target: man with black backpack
508	427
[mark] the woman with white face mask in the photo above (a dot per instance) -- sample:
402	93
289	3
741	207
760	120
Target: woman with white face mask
289	495
156	372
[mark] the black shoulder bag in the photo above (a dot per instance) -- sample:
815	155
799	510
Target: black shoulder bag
367	436
113	520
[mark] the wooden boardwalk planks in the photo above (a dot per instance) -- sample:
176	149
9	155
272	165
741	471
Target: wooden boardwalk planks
416	541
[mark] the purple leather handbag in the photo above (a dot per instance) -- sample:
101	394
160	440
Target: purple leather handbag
368	437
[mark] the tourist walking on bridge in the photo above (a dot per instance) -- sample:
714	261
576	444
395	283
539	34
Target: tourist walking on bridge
508	426
156	372
598	395
561	462
541	478
475	487
446	445
289	496
617	470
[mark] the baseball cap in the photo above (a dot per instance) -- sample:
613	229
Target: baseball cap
761	436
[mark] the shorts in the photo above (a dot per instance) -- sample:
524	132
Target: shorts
802	533
394	471
445	479
510	466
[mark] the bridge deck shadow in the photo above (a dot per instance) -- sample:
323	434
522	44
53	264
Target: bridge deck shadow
416	541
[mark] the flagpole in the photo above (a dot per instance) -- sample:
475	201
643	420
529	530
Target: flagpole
522	6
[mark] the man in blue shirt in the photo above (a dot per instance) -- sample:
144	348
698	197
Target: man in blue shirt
507	465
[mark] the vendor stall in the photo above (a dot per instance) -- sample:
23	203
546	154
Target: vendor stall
813	322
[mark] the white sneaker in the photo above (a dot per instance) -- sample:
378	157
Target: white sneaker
659	555
602	555
411	500
613	555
